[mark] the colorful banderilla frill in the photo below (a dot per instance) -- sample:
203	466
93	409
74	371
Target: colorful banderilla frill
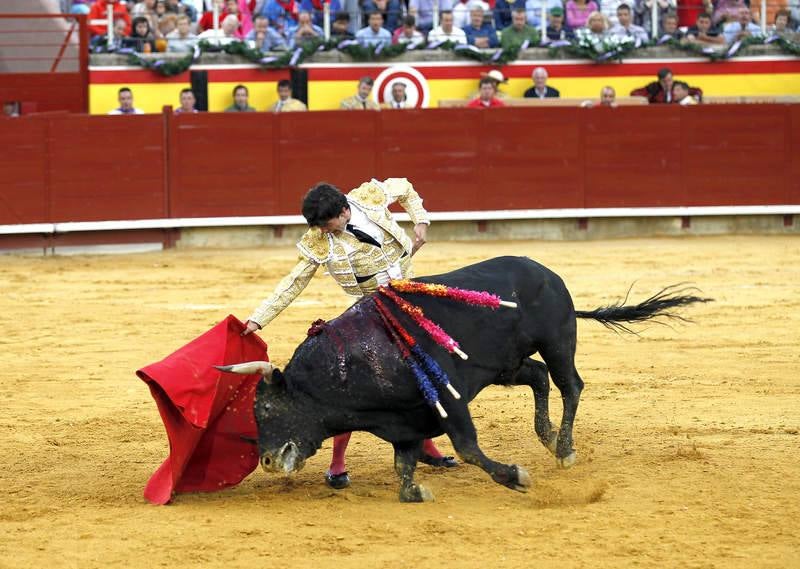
472	297
422	366
417	315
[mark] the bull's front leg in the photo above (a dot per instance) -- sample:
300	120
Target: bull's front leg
405	463
461	430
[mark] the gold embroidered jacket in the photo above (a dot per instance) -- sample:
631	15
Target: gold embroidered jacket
345	256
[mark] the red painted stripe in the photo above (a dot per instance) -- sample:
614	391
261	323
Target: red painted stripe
134	76
254	75
571	70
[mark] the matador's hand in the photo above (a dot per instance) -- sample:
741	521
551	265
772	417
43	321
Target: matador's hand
250	328
420	231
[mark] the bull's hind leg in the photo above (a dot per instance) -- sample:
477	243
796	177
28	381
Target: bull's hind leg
534	374
561	363
405	463
461	430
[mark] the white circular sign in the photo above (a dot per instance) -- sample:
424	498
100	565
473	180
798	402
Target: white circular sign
417	92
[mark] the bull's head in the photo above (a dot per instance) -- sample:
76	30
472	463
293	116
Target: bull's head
285	430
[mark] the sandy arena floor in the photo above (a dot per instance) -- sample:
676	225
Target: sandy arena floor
687	436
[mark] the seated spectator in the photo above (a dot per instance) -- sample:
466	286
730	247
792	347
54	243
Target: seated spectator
225	8
462	8
166	25
317	9
225	34
540	89
446	31
265	38
182	39
144	8
669	27
660	91
408	32
597	25
282	15
533	10
422	10
285	103
361	101
374	34
608	98
741	29
502	11
519	31
578	12
118	41
480	33
240	101
609	9
10	109
399	98
680	94
142	39
306	30
497	78
486	98
727	11
125	98
389	9
188	101
702	32
179	9
556	30
340	28
625	28
99	11
643	13
780	26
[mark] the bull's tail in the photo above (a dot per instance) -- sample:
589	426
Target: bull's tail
616	316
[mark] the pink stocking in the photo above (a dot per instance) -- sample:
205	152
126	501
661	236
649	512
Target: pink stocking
339	450
430	449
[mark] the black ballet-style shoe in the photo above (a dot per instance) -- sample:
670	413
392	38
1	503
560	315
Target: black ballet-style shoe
337	481
439	462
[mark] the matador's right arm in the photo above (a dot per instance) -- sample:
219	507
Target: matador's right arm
286	291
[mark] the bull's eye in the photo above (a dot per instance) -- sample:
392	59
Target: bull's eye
267	407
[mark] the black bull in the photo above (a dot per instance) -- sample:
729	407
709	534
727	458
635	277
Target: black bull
351	377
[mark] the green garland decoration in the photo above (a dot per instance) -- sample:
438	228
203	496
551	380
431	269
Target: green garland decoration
361	53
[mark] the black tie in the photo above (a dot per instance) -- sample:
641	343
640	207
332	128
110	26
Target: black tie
363	237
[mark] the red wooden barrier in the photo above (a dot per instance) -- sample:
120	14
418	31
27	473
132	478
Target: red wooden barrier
79	168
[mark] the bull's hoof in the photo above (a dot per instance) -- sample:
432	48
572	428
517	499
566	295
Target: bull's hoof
439	461
415	493
337	481
567	461
523	480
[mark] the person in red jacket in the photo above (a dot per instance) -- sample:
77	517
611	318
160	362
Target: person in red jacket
485	98
660	91
99	11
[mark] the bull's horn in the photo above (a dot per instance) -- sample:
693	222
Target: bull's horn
247	368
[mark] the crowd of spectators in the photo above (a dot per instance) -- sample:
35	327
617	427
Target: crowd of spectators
269	25
664	90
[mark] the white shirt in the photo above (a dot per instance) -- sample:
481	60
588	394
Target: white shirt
457	35
359	220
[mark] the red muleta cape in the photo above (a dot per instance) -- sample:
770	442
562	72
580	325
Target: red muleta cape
206	412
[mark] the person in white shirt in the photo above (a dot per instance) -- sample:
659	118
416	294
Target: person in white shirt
680	94
125	98
625	26
462	9
447	31
225	34
181	39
